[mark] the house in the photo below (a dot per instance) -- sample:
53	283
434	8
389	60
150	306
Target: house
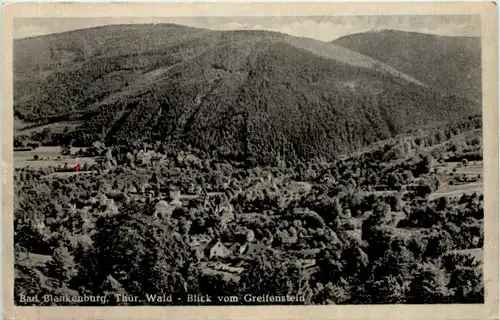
226	213
216	249
198	243
140	158
131	188
156	160
175	198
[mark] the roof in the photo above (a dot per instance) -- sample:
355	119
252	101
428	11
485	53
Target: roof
213	243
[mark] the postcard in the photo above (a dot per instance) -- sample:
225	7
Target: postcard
250	160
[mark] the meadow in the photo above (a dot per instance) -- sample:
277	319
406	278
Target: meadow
448	170
48	156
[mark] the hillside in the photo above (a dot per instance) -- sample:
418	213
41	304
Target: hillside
451	64
238	93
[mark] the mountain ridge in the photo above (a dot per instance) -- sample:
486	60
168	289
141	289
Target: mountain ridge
234	92
448	63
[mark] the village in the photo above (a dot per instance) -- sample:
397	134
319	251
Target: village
229	216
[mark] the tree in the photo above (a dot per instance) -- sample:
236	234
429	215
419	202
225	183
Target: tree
66	150
439	241
19	141
331	293
407	176
338	208
417	246
29	285
112	287
427	185
386	289
34	144
355	261
430	285
378	236
62	266
274	276
144	254
466	279
97	149
393	180
467	285
355	201
454	260
46	135
329	263
425	164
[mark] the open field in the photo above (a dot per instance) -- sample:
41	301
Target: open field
471	170
67	174
57	127
33	259
48	156
477	253
457	190
20	124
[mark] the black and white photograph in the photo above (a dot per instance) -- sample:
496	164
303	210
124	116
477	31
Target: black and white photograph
248	160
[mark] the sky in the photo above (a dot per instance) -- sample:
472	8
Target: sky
324	28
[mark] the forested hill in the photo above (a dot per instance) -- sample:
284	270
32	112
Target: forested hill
235	93
452	64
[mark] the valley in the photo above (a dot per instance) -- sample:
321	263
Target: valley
227	216
242	163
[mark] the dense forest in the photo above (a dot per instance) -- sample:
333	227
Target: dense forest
357	230
238	94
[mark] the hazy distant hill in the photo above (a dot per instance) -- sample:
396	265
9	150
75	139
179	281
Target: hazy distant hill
446	63
243	92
